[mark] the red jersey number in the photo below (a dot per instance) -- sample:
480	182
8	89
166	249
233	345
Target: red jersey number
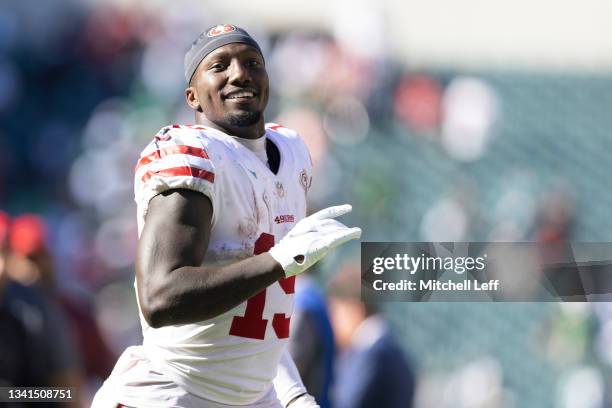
252	325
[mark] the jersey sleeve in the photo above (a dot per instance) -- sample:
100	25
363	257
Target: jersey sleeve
177	158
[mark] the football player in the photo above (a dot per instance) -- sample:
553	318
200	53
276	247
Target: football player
223	232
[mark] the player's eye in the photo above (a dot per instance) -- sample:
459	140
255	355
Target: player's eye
217	67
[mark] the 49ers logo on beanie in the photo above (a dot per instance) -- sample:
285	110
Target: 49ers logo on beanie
220	29
211	39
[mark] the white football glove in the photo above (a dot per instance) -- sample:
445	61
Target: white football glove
312	238
304	401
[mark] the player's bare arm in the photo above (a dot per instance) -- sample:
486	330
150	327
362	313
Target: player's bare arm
173	285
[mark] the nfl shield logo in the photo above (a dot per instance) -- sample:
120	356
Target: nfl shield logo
305	180
280	190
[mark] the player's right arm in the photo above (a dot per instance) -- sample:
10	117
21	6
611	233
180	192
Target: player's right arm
173	286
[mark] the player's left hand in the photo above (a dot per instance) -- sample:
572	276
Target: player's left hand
303	401
312	238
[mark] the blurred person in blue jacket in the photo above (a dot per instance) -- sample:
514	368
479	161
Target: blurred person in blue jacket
372	370
311	342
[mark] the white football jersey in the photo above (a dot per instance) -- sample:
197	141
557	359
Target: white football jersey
232	358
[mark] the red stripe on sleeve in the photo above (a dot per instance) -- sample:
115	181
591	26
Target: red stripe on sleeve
180	171
275	127
167	151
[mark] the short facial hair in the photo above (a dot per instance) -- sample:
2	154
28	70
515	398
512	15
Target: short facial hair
243	119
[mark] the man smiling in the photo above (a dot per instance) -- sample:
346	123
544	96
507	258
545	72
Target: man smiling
223	232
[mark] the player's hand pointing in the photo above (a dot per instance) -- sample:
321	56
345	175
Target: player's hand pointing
312	238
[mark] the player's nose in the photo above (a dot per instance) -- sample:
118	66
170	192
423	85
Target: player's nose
239	73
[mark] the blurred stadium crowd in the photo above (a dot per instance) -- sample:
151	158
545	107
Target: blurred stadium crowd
422	155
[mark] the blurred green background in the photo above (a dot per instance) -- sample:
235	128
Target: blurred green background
470	121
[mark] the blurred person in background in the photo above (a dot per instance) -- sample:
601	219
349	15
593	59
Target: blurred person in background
35	346
311	342
221	209
17	344
555	220
371	368
32	264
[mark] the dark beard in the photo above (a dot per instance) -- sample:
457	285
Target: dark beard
243	119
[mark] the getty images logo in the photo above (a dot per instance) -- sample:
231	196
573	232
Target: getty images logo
413	264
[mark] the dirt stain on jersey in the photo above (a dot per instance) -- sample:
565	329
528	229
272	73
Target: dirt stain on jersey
247	229
225	254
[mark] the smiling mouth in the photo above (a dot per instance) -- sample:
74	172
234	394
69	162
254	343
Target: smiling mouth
241	95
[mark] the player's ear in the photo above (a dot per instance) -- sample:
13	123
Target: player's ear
191	96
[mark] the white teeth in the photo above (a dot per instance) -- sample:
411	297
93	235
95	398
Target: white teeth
242	94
